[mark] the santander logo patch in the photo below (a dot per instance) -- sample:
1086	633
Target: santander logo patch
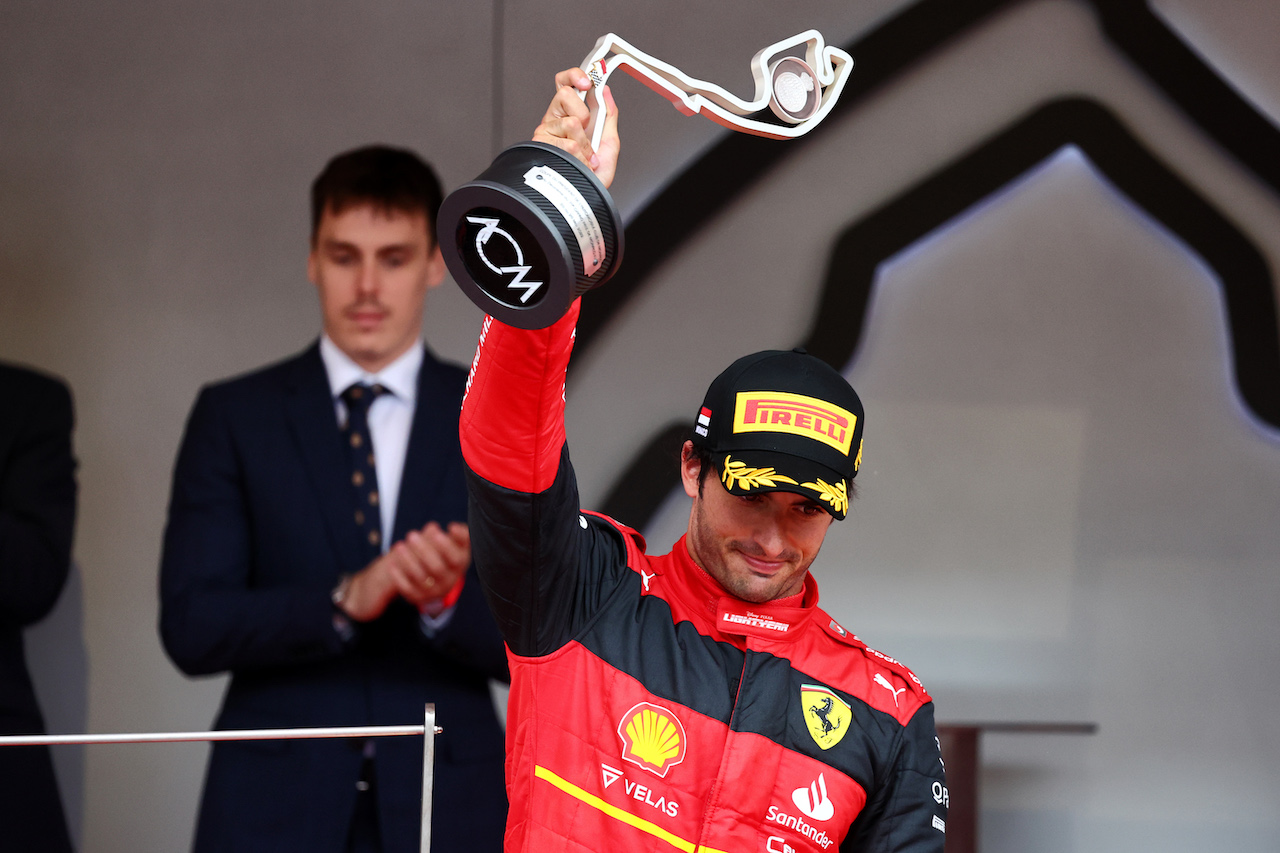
813	800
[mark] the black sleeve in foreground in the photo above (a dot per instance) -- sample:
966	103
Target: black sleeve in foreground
543	564
908	813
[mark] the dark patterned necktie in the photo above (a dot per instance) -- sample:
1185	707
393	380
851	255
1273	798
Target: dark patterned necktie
364	474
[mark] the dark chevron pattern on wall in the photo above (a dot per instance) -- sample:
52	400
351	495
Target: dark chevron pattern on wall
709	185
1241	269
861	247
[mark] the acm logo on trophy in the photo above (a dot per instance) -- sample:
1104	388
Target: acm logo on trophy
537	229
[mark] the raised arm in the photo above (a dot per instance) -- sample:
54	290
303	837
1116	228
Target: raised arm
528	537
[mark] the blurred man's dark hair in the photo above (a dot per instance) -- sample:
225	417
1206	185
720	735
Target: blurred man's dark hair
390	179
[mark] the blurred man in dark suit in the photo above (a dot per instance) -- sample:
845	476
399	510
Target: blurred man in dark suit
37	517
317	549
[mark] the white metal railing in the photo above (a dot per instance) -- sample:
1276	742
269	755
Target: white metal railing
428	730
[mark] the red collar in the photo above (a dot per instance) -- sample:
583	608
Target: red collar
781	619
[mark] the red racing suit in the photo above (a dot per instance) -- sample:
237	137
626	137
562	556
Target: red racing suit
650	710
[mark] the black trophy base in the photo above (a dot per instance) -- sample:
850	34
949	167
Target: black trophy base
531	234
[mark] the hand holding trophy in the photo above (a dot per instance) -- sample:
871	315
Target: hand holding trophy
537	229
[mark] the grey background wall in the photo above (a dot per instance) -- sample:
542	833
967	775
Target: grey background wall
1067	511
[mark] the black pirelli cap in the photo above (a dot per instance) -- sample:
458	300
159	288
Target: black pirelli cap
783	421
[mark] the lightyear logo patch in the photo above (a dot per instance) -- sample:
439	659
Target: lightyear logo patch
826	714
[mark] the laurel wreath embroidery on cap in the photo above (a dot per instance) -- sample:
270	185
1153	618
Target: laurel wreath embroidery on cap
837	495
751	478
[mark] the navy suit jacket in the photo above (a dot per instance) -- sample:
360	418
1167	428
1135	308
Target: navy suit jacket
37	516
260	530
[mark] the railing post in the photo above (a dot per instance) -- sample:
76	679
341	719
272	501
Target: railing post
428	773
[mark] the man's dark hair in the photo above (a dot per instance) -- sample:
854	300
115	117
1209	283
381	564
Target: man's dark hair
390	179
703	455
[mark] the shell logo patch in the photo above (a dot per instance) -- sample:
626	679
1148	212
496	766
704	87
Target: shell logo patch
652	738
826	714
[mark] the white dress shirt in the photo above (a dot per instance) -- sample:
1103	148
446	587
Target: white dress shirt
390	421
390	417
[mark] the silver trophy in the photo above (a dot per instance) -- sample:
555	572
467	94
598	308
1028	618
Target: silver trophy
537	229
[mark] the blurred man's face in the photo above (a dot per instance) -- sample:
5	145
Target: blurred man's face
372	269
759	547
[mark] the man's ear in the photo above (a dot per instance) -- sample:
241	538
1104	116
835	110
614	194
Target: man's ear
436	267
690	469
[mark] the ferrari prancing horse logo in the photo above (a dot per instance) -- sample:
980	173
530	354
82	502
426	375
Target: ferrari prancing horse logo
826	714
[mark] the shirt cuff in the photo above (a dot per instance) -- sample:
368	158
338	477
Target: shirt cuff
435	614
432	625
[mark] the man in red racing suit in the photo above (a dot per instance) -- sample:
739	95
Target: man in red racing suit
652	708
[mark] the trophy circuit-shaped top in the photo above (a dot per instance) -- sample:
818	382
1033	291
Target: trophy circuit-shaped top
537	229
800	92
